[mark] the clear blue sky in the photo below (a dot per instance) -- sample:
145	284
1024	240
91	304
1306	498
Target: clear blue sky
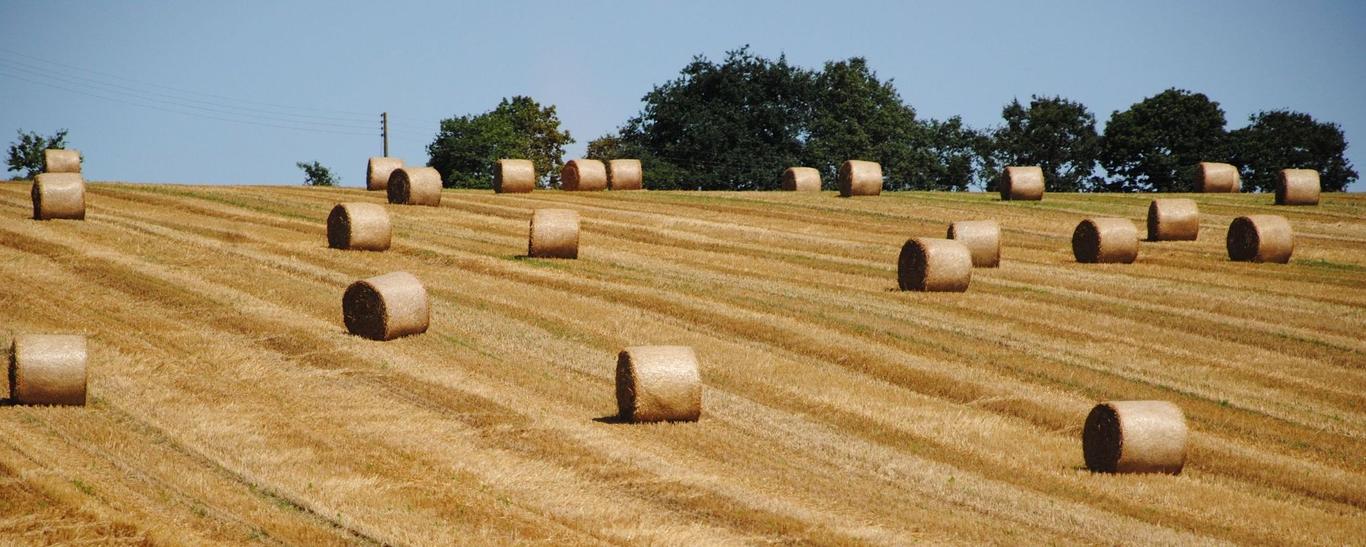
147	88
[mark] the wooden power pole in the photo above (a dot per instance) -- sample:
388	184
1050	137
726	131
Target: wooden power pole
384	131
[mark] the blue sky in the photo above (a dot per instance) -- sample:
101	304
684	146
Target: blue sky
237	92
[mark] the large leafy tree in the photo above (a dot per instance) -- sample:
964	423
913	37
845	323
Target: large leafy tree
1053	133
857	116
466	148
1156	143
26	154
1282	139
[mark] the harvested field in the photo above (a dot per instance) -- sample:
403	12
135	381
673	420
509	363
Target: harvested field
227	403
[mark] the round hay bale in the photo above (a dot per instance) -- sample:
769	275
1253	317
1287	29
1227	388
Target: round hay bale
1297	187
801	179
58	195
982	238
1105	240
514	176
415	186
359	226
377	172
1173	220
625	175
1021	183
1260	238
658	384
1135	437
934	265
583	176
860	178
386	307
554	234
61	161
1214	178
48	369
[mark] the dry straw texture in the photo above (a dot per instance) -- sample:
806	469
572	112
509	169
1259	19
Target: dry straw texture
377	172
514	176
1173	220
658	384
801	179
1105	240
1213	178
61	161
386	307
583	175
1135	437
982	238
359	226
1297	187
554	234
625	175
860	178
934	265
1021	183
1260	238
58	195
415	186
48	369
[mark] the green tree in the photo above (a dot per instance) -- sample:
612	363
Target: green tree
26	154
1053	133
318	175
1281	139
1156	143
466	147
857	116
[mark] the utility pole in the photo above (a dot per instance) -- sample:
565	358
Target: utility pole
384	131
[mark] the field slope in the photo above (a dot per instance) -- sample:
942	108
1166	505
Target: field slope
229	405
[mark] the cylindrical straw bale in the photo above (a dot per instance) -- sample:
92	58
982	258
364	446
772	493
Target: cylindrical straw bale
554	234
1212	178
582	175
48	369
801	179
377	172
56	160
1135	437
58	195
982	238
1173	220
514	176
1297	187
1105	240
386	307
415	186
934	265
1260	238
860	178
658	384
1021	183
359	226
625	175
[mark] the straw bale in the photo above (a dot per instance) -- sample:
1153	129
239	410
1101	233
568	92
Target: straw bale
359	226
934	265
1022	183
377	172
1297	187
860	178
514	176
415	186
658	384
1105	240
554	234
801	179
982	238
1173	220
61	161
58	195
1135	437
1260	238
386	307
1212	178
582	175
48	369
625	175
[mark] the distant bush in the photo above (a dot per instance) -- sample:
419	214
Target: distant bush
318	174
26	154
